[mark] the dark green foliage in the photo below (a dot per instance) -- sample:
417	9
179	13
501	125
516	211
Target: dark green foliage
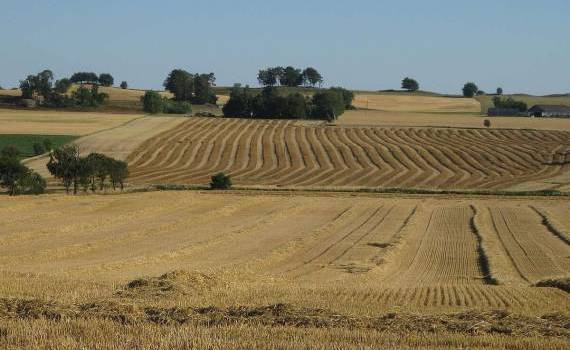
86	172
124	85
509	103
487	123
291	77
181	84
62	86
178	107
470	89
312	77
10	151
48	144
481	93
40	84
347	96
410	84
38	148
89	97
499	91
153	103
239	104
64	165
106	79
84	78
203	92
11	171
32	183
328	104
267	77
221	181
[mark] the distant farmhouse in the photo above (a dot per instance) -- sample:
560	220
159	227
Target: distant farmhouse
555	111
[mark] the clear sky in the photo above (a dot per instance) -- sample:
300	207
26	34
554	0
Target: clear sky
521	45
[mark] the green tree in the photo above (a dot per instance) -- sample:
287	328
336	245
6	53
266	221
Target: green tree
11	173
296	106
499	91
64	165
177	107
265	77
291	77
312	77
124	85
221	181
181	84
239	104
153	103
347	96
32	183
40	84
62	86
328	104
410	84
470	89
84	78
203	92
118	172
106	79
10	151
89	97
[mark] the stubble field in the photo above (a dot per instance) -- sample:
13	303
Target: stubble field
313	267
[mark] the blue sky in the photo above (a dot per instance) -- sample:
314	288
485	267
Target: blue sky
521	45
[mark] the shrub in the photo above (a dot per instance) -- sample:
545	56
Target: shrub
32	183
487	123
509	103
221	181
178	107
47	145
499	91
152	102
124	85
38	148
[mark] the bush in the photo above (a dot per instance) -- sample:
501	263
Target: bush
124	85
32	183
509	103
152	102
221	181
38	148
178	107
47	145
487	123
10	151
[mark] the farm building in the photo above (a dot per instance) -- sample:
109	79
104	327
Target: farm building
557	111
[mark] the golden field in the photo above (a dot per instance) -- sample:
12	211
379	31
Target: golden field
190	269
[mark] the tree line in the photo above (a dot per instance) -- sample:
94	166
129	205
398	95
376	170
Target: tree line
55	93
16	177
289	76
88	173
326	104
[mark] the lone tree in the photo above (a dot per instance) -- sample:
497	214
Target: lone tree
124	85
106	79
312	77
487	123
181	84
410	84
470	89
221	181
499	91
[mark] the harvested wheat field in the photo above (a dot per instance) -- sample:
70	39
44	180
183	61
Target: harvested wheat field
416	103
14	121
296	154
188	269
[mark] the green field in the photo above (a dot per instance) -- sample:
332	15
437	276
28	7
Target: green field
25	142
